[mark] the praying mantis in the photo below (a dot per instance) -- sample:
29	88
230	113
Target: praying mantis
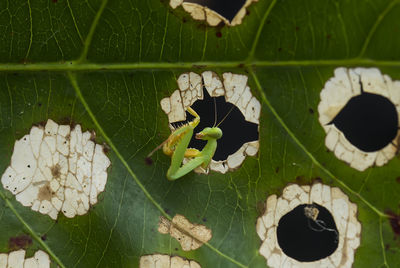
177	143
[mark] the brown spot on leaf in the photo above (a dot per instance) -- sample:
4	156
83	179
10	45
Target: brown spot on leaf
300	180
260	208
93	136
394	220
19	242
45	193
148	161
106	148
55	171
317	180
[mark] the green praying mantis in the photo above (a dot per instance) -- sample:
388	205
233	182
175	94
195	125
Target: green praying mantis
177	143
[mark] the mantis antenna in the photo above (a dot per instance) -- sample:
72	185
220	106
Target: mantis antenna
215	112
223	119
155	149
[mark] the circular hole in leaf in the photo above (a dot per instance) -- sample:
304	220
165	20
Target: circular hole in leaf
369	121
306	239
236	130
226	8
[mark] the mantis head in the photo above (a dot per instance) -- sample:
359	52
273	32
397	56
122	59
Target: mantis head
209	133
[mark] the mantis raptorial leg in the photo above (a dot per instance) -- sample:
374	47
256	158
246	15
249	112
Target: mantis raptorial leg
177	143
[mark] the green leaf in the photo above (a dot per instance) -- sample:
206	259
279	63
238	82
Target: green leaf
107	64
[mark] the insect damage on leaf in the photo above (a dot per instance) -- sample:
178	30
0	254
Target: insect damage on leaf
190	236
344	229
394	220
19	242
55	168
159	260
359	112
232	97
231	12
16	259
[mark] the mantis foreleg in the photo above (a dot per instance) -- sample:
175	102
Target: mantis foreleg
177	143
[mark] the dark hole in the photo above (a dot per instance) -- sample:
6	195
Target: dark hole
236	130
302	239
226	8
29	166
369	121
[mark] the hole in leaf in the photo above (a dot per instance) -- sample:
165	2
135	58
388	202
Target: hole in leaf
369	121
306	239
226	8
235	129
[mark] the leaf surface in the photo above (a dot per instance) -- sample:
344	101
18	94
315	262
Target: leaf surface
107	64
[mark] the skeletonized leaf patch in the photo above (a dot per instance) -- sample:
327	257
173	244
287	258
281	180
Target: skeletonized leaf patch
229	104
166	261
56	168
190	236
359	112
231	12
17	259
306	216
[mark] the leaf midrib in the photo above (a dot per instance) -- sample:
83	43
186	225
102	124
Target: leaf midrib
73	66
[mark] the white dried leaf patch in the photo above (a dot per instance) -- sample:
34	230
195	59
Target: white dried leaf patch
16	259
334	96
334	200
166	261
54	168
199	12
190	236
236	91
